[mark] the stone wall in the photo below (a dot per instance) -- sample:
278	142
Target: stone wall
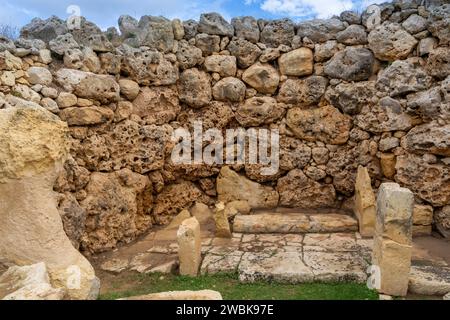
347	91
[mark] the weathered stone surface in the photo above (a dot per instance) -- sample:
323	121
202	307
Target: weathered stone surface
89	85
219	263
129	88
207	43
117	207
297	190
298	62
34	144
294	153
414	24
223	65
246	52
438	62
281	267
263	77
214	23
390	42
352	35
394	261
387	115
442	220
232	186
422	214
216	115
246	28
85	116
364	203
303	92
73	217
319	30
428	181
180	295
149	68
439	23
324	124
28	283
352	64
277	32
156	33
176	197
229	89
39	75
429	280
157	105
293	223
259	110
45	30
188	56
394	213
221	221
428	138
190	247
426	104
351	97
194	88
62	43
190	29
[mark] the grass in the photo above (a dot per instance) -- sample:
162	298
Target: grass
231	289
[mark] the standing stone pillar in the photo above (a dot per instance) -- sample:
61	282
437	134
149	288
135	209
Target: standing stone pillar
189	247
221	219
33	144
364	203
392	246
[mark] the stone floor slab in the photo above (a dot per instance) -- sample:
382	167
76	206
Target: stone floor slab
213	263
429	280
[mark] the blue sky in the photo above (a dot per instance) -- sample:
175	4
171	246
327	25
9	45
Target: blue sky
106	12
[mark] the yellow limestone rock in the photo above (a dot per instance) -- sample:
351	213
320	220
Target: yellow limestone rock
221	220
189	246
33	144
364	203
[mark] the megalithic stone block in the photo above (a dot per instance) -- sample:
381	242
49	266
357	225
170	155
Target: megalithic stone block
221	219
394	262
189	246
394	213
365	205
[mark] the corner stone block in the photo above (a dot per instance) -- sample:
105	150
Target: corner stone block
394	213
189	247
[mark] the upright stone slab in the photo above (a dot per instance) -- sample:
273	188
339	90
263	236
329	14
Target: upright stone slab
392	247
364	203
221	220
189	247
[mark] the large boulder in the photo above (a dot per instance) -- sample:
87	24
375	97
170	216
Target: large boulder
320	30
303	92
299	191
34	144
246	28
324	124
352	64
438	62
157	33
102	88
214	23
439	23
44	30
245	52
118	206
430	182
428	138
229	89
232	186
277	32
298	62
403	77
157	105
188	56
194	88
225	66
353	35
390	42
259	110
263	77
350	98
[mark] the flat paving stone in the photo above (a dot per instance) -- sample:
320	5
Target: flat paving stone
336	266
429	280
330	242
282	267
213	263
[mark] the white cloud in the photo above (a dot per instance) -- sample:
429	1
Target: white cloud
305	8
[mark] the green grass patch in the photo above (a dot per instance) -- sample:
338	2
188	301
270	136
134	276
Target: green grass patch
231	289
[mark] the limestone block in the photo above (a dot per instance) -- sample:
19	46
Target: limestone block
189	246
394	213
179	295
365	205
221	220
